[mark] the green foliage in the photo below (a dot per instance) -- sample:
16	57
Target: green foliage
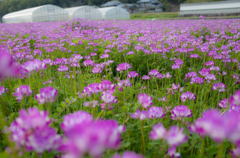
154	15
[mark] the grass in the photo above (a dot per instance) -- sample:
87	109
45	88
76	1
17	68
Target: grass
171	16
154	15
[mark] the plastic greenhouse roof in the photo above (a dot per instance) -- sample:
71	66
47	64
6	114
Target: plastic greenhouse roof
73	9
25	11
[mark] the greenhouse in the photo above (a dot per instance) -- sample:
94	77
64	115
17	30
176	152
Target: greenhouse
43	13
116	13
84	12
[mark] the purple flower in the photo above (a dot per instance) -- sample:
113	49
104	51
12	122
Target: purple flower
71	120
210	77
158	132
175	66
34	65
22	91
63	68
43	139
93	54
178	112
175	136
88	62
104	56
145	77
92	138
162	99
219	86
191	75
204	72
106	85
168	75
209	63
223	103
198	80
187	95
142	115
128	154
47	95
235	99
211	123
172	152
178	62
91	104
175	87
96	70
108	98
156	112
7	65
153	72
235	152
132	74
91	89
2	90
123	83
123	66
31	130
145	100
130	52
194	56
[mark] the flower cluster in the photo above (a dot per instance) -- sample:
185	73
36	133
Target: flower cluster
47	95
32	130
174	137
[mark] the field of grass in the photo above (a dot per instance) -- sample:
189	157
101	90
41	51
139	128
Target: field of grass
172	16
154	15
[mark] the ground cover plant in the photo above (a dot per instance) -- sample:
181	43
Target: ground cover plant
120	89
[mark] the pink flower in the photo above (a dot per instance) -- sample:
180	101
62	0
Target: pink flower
88	62
96	70
34	65
106	85
145	100
156	112
63	68
123	66
145	77
92	138
22	91
153	72
175	136
219	86
71	120
123	83
108	98
2	90
187	95
142	115
178	112
47	95
91	89
128	154
158	132
223	103
104	56
132	74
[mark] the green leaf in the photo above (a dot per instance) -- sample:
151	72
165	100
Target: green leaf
63	104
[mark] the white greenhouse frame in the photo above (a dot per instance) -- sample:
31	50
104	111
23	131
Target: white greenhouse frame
117	13
84	12
43	13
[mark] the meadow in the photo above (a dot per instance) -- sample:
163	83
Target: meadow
120	89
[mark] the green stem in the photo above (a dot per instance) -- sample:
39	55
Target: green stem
202	149
143	141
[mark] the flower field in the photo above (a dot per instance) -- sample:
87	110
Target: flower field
120	89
